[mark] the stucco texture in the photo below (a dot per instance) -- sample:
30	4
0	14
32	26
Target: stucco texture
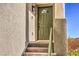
60	44
12	28
59	10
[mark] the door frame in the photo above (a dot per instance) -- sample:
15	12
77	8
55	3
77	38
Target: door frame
36	15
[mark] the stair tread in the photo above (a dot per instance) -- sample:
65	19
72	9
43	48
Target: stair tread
40	41
38	54
37	49
37	43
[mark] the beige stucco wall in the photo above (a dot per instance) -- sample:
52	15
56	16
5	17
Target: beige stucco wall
59	29
31	19
59	10
31	23
12	28
60	37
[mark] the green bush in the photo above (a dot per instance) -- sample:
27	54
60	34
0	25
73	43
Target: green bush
73	54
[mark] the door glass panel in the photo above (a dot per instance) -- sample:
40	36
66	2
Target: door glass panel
44	11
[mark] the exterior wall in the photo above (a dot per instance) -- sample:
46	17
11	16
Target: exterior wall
59	10
27	25
60	39
31	23
12	28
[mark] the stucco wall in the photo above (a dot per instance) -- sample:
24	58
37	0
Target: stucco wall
12	28
60	37
31	23
59	10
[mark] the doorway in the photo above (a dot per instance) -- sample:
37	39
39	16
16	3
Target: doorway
44	22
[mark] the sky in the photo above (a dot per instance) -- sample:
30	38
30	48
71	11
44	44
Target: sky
72	18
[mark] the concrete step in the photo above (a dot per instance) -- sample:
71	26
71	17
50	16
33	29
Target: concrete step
38	54
37	49
36	44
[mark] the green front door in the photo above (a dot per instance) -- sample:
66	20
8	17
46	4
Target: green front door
44	22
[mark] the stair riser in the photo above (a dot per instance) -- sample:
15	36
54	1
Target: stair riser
36	55
46	54
38	45
37	50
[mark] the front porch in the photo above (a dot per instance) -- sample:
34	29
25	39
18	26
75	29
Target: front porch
39	48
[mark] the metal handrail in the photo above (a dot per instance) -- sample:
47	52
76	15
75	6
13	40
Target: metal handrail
50	43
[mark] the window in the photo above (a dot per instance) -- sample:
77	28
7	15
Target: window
44	11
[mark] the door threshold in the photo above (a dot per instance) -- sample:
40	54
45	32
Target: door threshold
40	41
